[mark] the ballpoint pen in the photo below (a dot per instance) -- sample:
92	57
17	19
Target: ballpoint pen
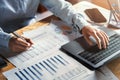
19	36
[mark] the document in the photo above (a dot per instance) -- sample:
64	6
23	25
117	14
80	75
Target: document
105	74
45	41
117	31
55	66
44	61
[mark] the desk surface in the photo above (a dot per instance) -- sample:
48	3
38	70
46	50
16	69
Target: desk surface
114	65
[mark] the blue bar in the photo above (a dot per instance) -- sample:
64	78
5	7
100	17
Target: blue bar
38	67
33	73
49	66
23	75
28	74
52	63
18	76
53	60
59	60
63	59
46	68
37	70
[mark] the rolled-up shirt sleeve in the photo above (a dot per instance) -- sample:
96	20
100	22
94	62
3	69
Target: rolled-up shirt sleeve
4	39
66	12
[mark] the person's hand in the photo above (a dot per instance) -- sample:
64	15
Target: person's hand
99	35
19	45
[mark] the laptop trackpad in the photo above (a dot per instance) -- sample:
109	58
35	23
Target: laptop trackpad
77	46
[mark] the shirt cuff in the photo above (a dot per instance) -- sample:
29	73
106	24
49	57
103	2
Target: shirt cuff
4	39
79	22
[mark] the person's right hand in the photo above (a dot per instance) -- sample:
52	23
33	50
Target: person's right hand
100	36
18	45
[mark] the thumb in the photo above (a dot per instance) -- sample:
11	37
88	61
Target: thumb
29	41
87	38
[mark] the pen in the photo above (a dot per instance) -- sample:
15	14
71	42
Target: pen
18	36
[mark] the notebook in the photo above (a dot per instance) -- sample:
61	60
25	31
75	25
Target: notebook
91	56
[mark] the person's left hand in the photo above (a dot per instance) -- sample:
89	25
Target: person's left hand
99	35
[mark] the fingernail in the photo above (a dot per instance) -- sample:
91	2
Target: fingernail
28	44
100	48
105	47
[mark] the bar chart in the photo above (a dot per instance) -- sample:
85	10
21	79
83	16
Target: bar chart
56	67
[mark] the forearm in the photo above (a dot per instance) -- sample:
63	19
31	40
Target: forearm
66	12
4	38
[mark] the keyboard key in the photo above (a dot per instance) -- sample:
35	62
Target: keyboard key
95	55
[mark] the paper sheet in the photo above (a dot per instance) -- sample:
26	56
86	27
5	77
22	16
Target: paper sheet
56	66
45	40
118	31
105	74
45	59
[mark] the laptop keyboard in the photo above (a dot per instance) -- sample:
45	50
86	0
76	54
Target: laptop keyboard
95	55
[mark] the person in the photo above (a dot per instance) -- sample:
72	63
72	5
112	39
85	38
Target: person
17	13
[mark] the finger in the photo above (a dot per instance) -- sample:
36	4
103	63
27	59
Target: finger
18	48
22	42
88	40
98	40
106	37
29	40
103	39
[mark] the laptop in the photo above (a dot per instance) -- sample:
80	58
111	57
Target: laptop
91	56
